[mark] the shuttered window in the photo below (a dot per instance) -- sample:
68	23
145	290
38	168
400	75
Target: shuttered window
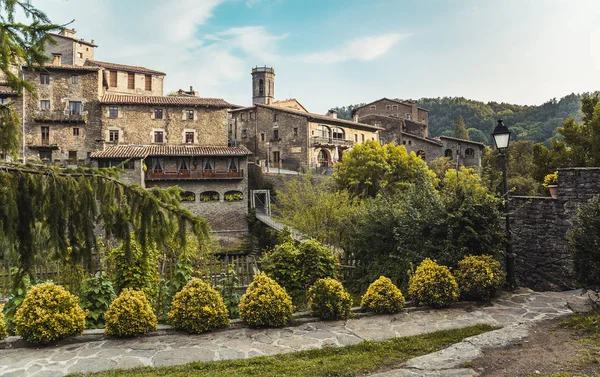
113	79
131	81
148	82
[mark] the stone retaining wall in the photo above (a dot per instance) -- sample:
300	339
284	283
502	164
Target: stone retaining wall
540	228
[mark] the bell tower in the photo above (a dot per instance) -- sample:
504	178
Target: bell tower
263	85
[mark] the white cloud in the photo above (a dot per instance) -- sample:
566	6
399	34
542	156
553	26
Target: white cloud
364	48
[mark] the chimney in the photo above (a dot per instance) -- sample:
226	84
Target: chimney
355	118
332	113
68	33
56	59
92	41
191	89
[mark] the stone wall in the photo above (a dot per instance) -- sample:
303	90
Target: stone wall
139	84
62	134
136	125
415	144
473	160
540	228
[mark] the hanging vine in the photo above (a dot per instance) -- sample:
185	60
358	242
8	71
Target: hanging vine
72	205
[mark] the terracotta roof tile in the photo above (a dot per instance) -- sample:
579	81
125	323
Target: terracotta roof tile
481	145
73	39
143	151
65	67
116	99
123	67
5	89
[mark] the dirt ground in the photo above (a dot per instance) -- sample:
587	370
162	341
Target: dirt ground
550	348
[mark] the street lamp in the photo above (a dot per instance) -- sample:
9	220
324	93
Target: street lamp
501	136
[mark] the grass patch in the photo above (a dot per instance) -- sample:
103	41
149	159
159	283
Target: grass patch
336	361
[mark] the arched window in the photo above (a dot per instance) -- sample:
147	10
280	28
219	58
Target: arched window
323	131
188	196
209	196
338	133
469	153
233	196
421	154
323	158
261	87
448	153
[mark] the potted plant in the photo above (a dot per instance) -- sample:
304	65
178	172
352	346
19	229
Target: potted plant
551	181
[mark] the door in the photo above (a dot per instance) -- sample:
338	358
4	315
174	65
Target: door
276	159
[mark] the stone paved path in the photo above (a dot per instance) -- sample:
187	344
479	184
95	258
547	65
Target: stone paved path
513	312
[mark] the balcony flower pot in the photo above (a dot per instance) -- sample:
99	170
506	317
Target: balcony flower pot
553	191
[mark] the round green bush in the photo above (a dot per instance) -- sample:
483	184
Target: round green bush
479	277
433	285
48	313
130	314
198	308
327	300
266	303
296	268
383	296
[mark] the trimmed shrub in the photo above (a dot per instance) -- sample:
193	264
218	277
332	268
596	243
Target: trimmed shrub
433	285
96	296
479	277
130	314
198	308
383	296
48	313
327	299
3	332
296	268
266	303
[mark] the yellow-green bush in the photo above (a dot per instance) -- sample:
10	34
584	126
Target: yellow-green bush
49	312
3	332
130	314
433	285
383	296
198	308
479	277
266	303
327	299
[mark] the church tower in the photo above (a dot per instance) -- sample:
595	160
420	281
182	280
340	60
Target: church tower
263	85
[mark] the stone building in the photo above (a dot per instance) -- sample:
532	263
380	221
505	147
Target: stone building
405	123
285	135
104	114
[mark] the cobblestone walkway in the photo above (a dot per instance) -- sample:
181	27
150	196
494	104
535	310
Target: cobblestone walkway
513	312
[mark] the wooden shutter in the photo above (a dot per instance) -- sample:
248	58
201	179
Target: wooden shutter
148	82
131	80
113	78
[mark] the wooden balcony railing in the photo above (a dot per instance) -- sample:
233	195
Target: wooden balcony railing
166	175
58	116
319	140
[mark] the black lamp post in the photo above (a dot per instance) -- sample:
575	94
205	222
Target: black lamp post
501	136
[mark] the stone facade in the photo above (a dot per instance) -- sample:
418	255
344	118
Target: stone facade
396	109
540	228
428	149
52	131
263	85
469	152
136	124
139	83
69	49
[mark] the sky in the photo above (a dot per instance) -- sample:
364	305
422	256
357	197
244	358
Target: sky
329	53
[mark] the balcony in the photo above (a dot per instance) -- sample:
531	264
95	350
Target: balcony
319	141
191	175
58	117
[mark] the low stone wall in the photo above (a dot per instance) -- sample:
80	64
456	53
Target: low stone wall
540	229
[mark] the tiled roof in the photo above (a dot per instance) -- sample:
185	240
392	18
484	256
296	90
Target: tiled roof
66	67
481	145
73	39
143	151
425	139
123	67
5	89
117	99
287	102
387	99
321	118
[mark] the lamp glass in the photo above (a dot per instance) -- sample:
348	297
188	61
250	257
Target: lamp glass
502	140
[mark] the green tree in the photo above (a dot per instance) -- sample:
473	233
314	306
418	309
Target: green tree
477	135
20	44
369	169
460	128
310	205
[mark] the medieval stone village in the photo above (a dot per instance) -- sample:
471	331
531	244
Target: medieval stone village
152	231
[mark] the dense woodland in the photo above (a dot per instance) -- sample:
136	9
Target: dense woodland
535	123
